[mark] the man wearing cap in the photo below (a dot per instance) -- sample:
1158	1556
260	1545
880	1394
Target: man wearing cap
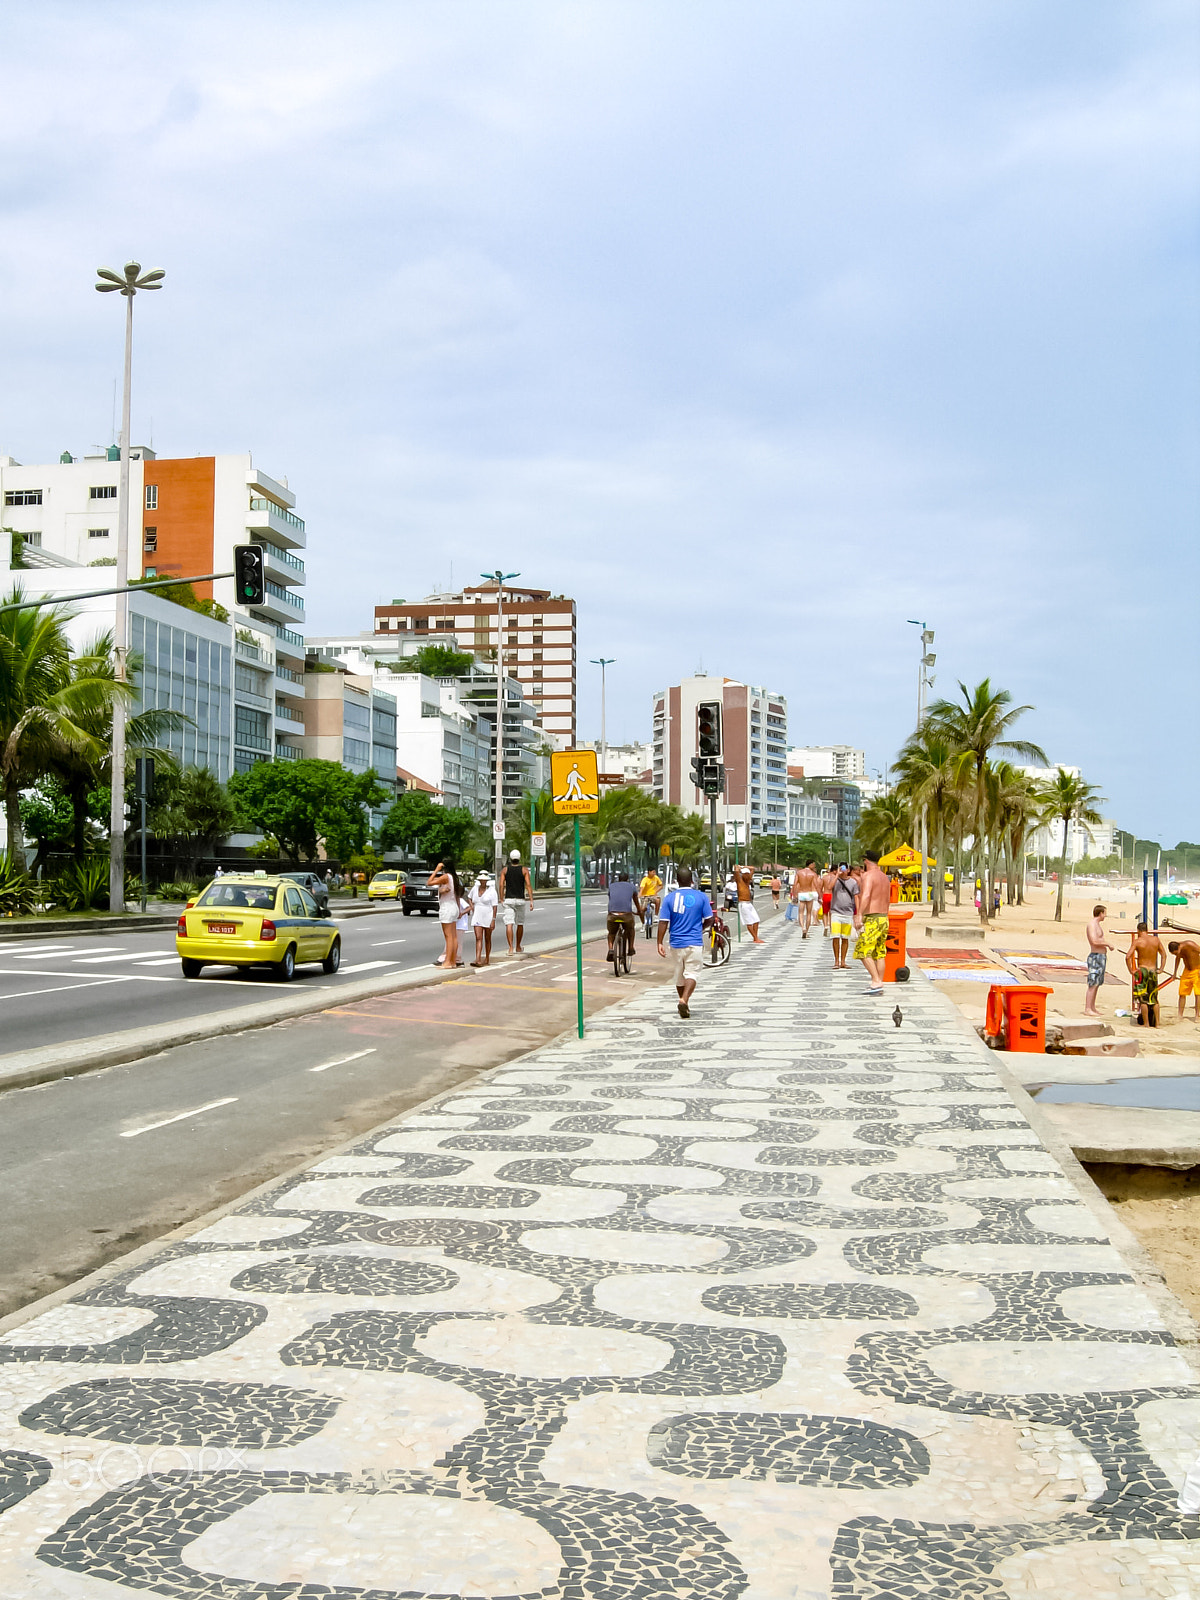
517	889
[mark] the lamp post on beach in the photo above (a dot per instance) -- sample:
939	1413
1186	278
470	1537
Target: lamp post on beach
127	283
925	680
499	579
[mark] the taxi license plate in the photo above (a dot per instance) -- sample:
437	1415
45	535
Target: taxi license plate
221	927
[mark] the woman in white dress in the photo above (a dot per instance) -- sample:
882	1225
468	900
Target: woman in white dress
484	904
451	903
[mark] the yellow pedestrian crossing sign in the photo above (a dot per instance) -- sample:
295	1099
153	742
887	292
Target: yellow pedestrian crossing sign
575	782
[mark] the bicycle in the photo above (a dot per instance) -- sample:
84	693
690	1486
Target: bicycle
649	918
622	952
718	941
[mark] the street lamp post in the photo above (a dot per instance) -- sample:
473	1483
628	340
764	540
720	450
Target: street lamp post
499	579
925	680
603	662
127	283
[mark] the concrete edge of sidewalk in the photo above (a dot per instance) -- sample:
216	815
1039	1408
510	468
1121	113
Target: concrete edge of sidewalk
26	1069
144	1253
1149	1275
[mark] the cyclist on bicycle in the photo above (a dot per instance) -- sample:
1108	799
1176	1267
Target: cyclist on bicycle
623	907
650	894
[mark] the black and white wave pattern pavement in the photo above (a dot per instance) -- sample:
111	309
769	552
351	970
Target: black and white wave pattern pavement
781	1302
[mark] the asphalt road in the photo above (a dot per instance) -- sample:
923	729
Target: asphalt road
96	1165
52	991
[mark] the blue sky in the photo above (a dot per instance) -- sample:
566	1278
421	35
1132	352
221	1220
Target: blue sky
757	327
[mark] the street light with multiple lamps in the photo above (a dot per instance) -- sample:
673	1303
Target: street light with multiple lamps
499	579
603	662
127	283
925	680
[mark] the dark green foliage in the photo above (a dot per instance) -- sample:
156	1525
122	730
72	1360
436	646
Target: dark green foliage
435	661
83	886
17	893
301	804
415	823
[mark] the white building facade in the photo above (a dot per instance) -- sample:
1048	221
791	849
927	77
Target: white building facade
808	813
829	761
754	745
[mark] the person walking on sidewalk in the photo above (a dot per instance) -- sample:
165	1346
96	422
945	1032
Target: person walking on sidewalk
685	913
776	887
804	892
517	891
747	915
839	922
825	896
1098	948
484	905
871	920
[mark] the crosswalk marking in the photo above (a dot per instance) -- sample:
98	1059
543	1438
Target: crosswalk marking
367	966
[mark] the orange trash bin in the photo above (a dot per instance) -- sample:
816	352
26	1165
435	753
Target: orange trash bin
897	941
1020	1009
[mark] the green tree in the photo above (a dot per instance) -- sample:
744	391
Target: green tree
435	661
436	832
884	824
977	728
1069	799
46	818
191	812
304	804
182	594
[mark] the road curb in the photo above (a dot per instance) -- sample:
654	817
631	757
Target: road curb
14	933
28	1068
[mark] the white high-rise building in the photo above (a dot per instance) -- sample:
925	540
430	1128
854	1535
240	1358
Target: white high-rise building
829	761
754	750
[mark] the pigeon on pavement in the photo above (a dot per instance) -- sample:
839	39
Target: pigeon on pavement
897	1016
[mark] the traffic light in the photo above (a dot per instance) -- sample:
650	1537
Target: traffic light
698	772
248	574
714	779
708	729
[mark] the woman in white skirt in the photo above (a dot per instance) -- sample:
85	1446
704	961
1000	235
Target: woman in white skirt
484	905
451	903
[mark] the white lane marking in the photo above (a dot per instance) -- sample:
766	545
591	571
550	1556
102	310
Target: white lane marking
342	1060
117	955
51	950
367	966
132	1133
157	961
378	942
23	994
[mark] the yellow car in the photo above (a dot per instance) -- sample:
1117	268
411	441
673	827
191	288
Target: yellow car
250	920
385	886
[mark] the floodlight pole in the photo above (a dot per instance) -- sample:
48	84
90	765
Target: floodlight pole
499	579
603	662
128	285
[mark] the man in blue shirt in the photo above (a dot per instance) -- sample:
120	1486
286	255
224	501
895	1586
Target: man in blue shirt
686	912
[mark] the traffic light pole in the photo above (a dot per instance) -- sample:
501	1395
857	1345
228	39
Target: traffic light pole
712	842
94	594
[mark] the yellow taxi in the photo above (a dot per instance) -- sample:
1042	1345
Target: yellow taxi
250	920
385	886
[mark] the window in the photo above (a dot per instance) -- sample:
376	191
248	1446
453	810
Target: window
250	728
150	572
356	716
105	491
97	533
150	540
22	497
356	753
34	540
430	711
151	497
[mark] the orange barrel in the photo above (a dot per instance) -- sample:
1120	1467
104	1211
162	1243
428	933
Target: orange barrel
897	938
1025	1011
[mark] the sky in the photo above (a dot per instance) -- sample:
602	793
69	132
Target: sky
758	328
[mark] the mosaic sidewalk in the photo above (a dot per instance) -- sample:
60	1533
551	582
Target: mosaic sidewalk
782	1302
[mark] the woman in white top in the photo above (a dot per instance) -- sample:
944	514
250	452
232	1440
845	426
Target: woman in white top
444	879
484	905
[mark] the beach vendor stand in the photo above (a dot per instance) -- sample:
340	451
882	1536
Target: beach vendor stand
906	862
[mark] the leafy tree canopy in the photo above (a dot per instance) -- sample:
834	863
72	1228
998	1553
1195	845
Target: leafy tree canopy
182	594
415	822
435	661
304	803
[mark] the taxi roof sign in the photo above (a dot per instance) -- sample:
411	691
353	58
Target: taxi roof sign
574	782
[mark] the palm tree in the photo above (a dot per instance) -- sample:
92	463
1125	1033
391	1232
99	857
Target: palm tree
885	823
44	705
980	725
1069	799
928	776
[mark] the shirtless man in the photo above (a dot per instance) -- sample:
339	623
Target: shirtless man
1145	960
776	890
827	880
1098	949
748	916
871	920
1187	951
806	895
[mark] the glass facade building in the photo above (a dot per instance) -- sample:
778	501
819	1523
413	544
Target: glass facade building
185	671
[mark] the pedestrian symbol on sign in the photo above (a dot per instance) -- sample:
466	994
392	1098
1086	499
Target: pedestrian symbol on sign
575	782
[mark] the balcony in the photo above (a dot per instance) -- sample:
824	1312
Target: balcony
289	568
288	752
286	713
266	517
288	675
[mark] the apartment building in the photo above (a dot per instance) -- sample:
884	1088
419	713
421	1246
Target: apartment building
829	761
809	813
348	720
446	726
629	763
186	515
754	733
539	645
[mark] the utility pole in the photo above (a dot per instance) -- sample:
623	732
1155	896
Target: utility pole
603	662
127	283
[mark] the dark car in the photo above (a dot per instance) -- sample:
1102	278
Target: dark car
315	886
416	895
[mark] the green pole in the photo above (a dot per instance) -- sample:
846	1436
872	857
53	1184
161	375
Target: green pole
736	861
578	934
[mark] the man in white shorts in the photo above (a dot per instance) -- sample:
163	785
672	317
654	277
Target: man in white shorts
805	891
516	893
686	912
744	878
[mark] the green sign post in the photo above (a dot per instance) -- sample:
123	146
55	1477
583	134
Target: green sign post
575	792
